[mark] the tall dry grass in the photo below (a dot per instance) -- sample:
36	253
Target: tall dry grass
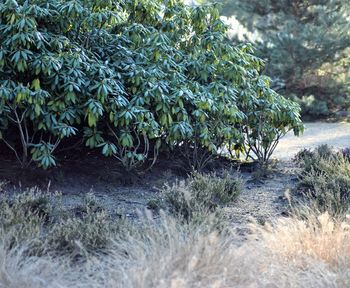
314	252
42	246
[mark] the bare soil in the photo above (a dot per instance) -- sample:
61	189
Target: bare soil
266	200
124	193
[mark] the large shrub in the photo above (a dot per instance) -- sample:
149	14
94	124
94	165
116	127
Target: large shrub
129	77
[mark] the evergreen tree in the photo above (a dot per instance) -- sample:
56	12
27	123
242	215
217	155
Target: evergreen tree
304	43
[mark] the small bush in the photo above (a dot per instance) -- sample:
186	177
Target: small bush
78	236
30	202
325	179
309	159
50	229
219	190
201	194
90	206
155	204
23	215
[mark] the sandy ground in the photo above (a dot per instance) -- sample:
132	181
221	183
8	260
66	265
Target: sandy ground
262	200
334	134
266	201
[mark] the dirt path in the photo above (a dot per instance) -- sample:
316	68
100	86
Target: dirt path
262	201
334	134
266	201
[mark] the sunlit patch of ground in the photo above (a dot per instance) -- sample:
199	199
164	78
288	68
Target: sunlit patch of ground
334	134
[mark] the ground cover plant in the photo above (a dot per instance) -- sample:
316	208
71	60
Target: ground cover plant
51	229
199	195
325	178
130	78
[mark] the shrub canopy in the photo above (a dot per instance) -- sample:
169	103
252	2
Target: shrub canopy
129	77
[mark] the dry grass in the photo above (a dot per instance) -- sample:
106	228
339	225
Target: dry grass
319	237
314	252
309	250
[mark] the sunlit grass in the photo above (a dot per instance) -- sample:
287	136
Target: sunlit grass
310	249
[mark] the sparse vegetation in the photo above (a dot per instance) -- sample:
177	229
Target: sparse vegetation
167	252
325	179
31	218
200	195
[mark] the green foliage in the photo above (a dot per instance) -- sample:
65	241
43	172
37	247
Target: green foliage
305	44
200	195
325	179
269	118
313	107
128	78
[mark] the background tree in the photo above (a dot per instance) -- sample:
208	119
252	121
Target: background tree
305	44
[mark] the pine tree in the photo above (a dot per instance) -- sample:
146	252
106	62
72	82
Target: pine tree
304	43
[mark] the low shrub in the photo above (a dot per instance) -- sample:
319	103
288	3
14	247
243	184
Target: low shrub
309	159
78	236
30	216
89	206
23	216
200	195
219	190
30	202
325	179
